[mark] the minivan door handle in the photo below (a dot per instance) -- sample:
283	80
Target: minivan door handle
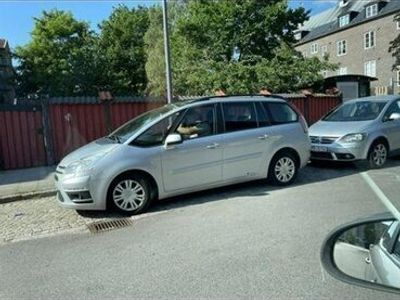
263	137
212	146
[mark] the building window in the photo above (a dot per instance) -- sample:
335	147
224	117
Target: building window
370	68
369	39
398	77
371	10
325	74
341	48
344	20
324	50
314	48
342	71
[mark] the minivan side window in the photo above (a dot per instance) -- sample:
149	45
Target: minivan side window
264	119
198	121
155	135
281	113
396	250
387	238
239	116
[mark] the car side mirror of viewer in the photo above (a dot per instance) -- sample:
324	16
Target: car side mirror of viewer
364	253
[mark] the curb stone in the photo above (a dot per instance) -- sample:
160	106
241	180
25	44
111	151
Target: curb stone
26	196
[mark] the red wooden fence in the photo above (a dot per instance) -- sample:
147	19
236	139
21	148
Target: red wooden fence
74	122
21	138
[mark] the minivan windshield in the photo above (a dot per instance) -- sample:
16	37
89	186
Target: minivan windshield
356	111
128	129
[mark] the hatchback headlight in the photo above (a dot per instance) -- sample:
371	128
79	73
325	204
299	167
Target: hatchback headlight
353	138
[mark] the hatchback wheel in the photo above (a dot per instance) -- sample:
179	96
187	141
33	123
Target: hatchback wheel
129	195
377	155
283	169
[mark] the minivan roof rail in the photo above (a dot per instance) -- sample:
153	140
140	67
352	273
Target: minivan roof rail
239	95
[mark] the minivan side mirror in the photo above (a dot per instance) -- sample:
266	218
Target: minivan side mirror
394	117
173	139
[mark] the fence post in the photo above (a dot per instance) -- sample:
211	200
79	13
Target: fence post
307	108
47	132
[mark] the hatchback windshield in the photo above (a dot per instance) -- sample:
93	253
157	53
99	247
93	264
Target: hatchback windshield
356	111
128	129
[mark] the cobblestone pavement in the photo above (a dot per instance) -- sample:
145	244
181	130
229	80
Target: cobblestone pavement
28	219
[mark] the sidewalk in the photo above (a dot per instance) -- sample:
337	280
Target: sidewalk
26	183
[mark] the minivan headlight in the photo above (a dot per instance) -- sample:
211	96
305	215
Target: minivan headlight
81	167
353	138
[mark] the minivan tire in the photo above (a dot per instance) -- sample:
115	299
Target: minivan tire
287	176
129	194
377	155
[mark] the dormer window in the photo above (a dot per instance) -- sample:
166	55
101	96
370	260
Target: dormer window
371	10
344	20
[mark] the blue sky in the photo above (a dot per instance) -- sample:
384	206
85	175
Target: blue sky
16	16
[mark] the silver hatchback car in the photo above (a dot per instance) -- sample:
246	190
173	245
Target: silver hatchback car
185	147
361	129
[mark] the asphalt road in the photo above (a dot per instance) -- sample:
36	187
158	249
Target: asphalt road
250	240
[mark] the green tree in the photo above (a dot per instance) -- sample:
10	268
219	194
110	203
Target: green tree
240	46
58	59
122	52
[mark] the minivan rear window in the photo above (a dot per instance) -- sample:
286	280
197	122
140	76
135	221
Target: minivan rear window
281	113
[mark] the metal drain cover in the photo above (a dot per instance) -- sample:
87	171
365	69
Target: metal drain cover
102	226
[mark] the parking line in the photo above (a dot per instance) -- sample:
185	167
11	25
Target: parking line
385	200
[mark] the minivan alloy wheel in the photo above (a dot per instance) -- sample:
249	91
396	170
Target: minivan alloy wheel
285	169
379	155
129	195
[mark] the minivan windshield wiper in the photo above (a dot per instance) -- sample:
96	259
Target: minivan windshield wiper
115	138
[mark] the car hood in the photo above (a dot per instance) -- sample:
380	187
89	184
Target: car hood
337	129
100	147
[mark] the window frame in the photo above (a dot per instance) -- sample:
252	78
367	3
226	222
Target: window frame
365	67
340	46
343	71
368	35
371	10
346	22
398	77
314	48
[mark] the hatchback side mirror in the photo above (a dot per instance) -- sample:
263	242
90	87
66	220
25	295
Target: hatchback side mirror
394	117
173	139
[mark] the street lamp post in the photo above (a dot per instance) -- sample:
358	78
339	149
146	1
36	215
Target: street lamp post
167	52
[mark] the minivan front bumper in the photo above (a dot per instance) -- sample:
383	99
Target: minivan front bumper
75	192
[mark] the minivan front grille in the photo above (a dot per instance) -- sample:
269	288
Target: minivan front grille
326	140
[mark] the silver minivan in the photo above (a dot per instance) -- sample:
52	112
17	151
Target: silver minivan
362	129
186	147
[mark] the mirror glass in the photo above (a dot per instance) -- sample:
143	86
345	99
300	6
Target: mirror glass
370	252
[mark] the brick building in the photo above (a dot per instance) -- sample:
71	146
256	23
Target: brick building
7	92
357	35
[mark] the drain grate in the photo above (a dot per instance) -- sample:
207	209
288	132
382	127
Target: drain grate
102	226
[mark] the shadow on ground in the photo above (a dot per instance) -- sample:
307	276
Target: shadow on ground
312	173
26	175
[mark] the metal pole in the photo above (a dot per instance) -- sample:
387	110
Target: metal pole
167	52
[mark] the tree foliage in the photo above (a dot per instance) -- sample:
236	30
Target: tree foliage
122	50
58	58
240	46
